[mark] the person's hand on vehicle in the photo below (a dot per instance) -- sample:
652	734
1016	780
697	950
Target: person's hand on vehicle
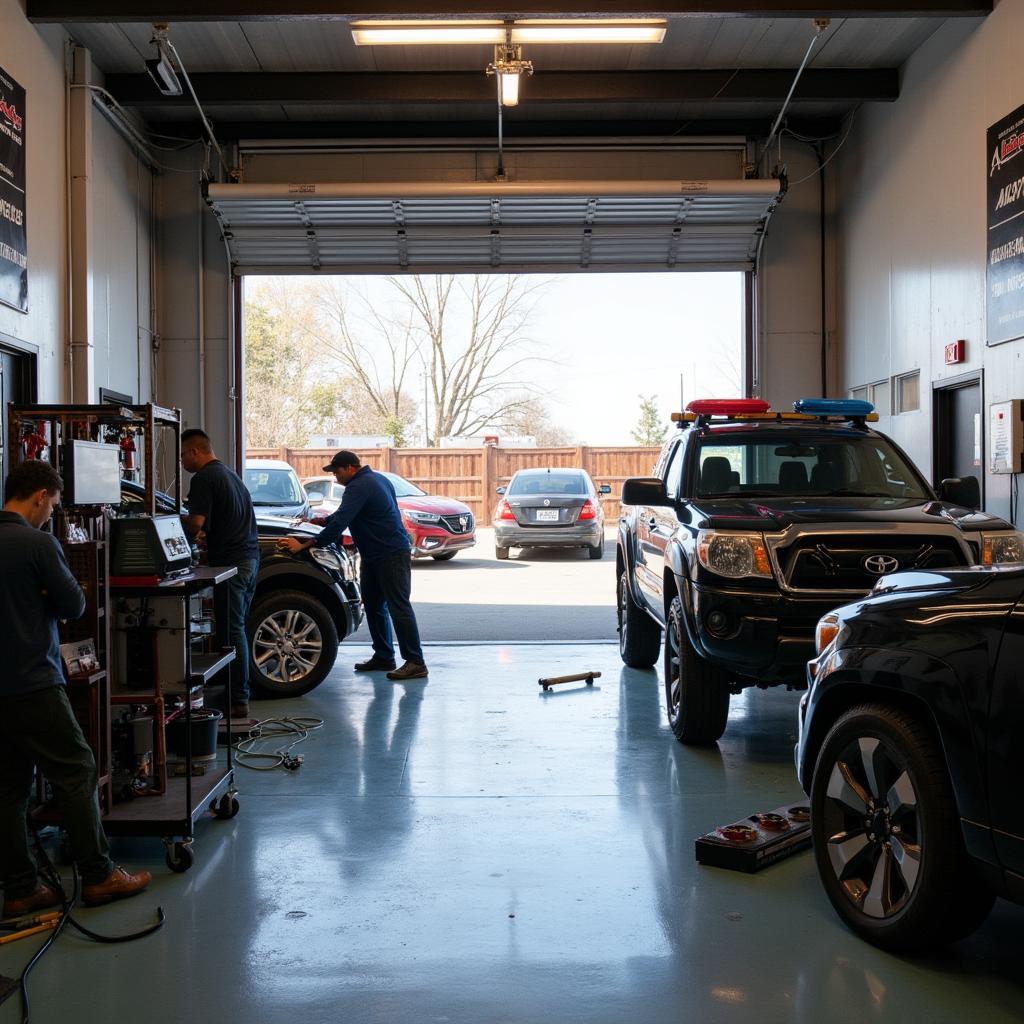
290	544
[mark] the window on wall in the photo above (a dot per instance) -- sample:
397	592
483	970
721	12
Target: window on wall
877	394
906	392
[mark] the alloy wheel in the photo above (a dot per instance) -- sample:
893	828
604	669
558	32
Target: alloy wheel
873	827
287	645
673	671
621	612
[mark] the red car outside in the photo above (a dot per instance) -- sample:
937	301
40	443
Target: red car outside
438	527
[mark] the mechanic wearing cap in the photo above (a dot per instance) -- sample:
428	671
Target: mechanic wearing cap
370	510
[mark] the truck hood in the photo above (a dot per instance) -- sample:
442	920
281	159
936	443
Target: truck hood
776	514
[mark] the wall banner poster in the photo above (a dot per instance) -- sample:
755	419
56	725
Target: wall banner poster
13	236
1005	250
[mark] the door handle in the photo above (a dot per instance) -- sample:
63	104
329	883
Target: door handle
652	521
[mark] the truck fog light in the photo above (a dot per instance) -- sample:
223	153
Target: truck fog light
719	624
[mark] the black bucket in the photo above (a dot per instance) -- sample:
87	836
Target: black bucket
204	735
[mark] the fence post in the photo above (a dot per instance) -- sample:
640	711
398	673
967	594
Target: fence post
283	453
488	477
388	459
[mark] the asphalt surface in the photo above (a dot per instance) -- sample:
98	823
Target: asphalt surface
537	595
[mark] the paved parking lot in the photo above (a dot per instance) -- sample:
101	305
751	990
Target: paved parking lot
535	595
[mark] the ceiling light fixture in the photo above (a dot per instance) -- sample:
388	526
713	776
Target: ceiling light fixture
528	30
508	65
161	67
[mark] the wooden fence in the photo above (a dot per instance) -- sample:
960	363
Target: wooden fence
472	474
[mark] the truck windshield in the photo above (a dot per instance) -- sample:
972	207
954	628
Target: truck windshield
815	465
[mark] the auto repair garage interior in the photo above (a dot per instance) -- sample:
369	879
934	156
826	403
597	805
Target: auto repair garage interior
474	849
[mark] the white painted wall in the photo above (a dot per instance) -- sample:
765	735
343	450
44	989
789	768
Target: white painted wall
911	224
35	57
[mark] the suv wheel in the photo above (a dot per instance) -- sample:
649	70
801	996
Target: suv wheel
696	694
639	634
294	644
887	837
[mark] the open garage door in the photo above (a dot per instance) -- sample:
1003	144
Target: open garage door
487	226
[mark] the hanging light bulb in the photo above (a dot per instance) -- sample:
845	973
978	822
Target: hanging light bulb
509	66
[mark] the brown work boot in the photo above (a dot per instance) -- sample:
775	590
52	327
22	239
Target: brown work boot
410	670
239	710
39	899
118	884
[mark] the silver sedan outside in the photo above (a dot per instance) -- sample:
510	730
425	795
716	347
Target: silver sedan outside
549	508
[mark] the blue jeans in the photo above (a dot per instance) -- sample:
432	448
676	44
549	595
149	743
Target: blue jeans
386	584
241	588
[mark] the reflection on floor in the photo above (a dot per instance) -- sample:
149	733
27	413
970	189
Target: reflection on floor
473	850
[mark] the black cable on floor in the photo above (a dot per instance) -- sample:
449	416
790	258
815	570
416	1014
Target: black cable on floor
51	877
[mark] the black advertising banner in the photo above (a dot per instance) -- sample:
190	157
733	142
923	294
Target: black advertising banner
13	238
1005	277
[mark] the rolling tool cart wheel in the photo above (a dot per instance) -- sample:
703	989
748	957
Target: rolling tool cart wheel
226	807
180	856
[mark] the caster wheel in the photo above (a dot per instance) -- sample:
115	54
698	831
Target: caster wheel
180	857
226	807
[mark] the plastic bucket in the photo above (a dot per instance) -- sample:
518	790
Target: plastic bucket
204	735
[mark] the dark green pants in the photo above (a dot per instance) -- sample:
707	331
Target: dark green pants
40	728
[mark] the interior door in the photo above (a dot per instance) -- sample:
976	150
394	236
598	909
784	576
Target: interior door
959	439
17	374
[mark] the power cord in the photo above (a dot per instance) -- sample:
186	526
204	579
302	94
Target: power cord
51	877
298	729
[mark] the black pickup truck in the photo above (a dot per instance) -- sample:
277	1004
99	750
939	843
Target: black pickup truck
758	523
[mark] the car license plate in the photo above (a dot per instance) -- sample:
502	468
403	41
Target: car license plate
547	515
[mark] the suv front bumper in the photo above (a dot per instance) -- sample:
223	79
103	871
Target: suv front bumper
763	635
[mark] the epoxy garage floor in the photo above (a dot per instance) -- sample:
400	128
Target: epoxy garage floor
473	850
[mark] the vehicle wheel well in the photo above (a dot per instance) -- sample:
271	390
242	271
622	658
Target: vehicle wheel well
841	698
670	589
318	591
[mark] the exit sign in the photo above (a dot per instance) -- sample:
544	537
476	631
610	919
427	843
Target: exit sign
955	352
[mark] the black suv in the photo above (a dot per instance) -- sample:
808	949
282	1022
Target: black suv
754	526
910	750
304	605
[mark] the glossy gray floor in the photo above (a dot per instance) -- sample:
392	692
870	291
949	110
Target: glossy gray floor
472	850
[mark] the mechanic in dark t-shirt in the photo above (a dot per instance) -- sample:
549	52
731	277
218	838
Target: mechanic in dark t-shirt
220	506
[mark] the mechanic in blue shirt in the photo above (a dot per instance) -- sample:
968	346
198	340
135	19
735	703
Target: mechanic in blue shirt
369	509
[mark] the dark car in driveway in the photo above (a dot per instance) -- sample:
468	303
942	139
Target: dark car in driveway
549	508
304	604
910	749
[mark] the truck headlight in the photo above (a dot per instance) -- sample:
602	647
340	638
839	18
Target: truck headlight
1006	548
733	554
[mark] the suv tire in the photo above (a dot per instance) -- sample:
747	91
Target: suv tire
639	634
310	639
901	879
696	692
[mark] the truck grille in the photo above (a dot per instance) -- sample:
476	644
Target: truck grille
854	563
454	524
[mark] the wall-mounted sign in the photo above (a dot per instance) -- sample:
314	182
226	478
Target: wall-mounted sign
955	352
13	236
1005	277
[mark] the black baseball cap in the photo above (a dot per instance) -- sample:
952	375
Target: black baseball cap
342	459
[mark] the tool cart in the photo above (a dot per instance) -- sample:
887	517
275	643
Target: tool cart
155	634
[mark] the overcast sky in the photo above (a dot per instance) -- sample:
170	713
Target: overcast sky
618	336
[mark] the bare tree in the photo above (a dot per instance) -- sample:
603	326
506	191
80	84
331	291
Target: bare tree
467	336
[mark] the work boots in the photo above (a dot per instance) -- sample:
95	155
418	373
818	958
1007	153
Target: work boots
118	884
40	898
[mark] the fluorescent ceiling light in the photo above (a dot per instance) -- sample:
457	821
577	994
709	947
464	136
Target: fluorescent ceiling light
581	30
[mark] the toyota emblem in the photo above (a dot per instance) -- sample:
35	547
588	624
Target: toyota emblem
547	501
879	565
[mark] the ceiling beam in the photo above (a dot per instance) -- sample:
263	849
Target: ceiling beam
334	88
483	132
69	11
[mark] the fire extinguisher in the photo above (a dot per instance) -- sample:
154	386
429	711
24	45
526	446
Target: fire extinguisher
127	445
33	442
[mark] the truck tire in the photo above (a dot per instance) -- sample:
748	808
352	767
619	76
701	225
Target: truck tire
639	634
293	644
696	692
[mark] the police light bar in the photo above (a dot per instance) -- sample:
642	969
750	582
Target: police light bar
727	406
853	407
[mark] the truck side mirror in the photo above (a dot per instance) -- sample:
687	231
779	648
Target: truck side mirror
645	491
964	491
